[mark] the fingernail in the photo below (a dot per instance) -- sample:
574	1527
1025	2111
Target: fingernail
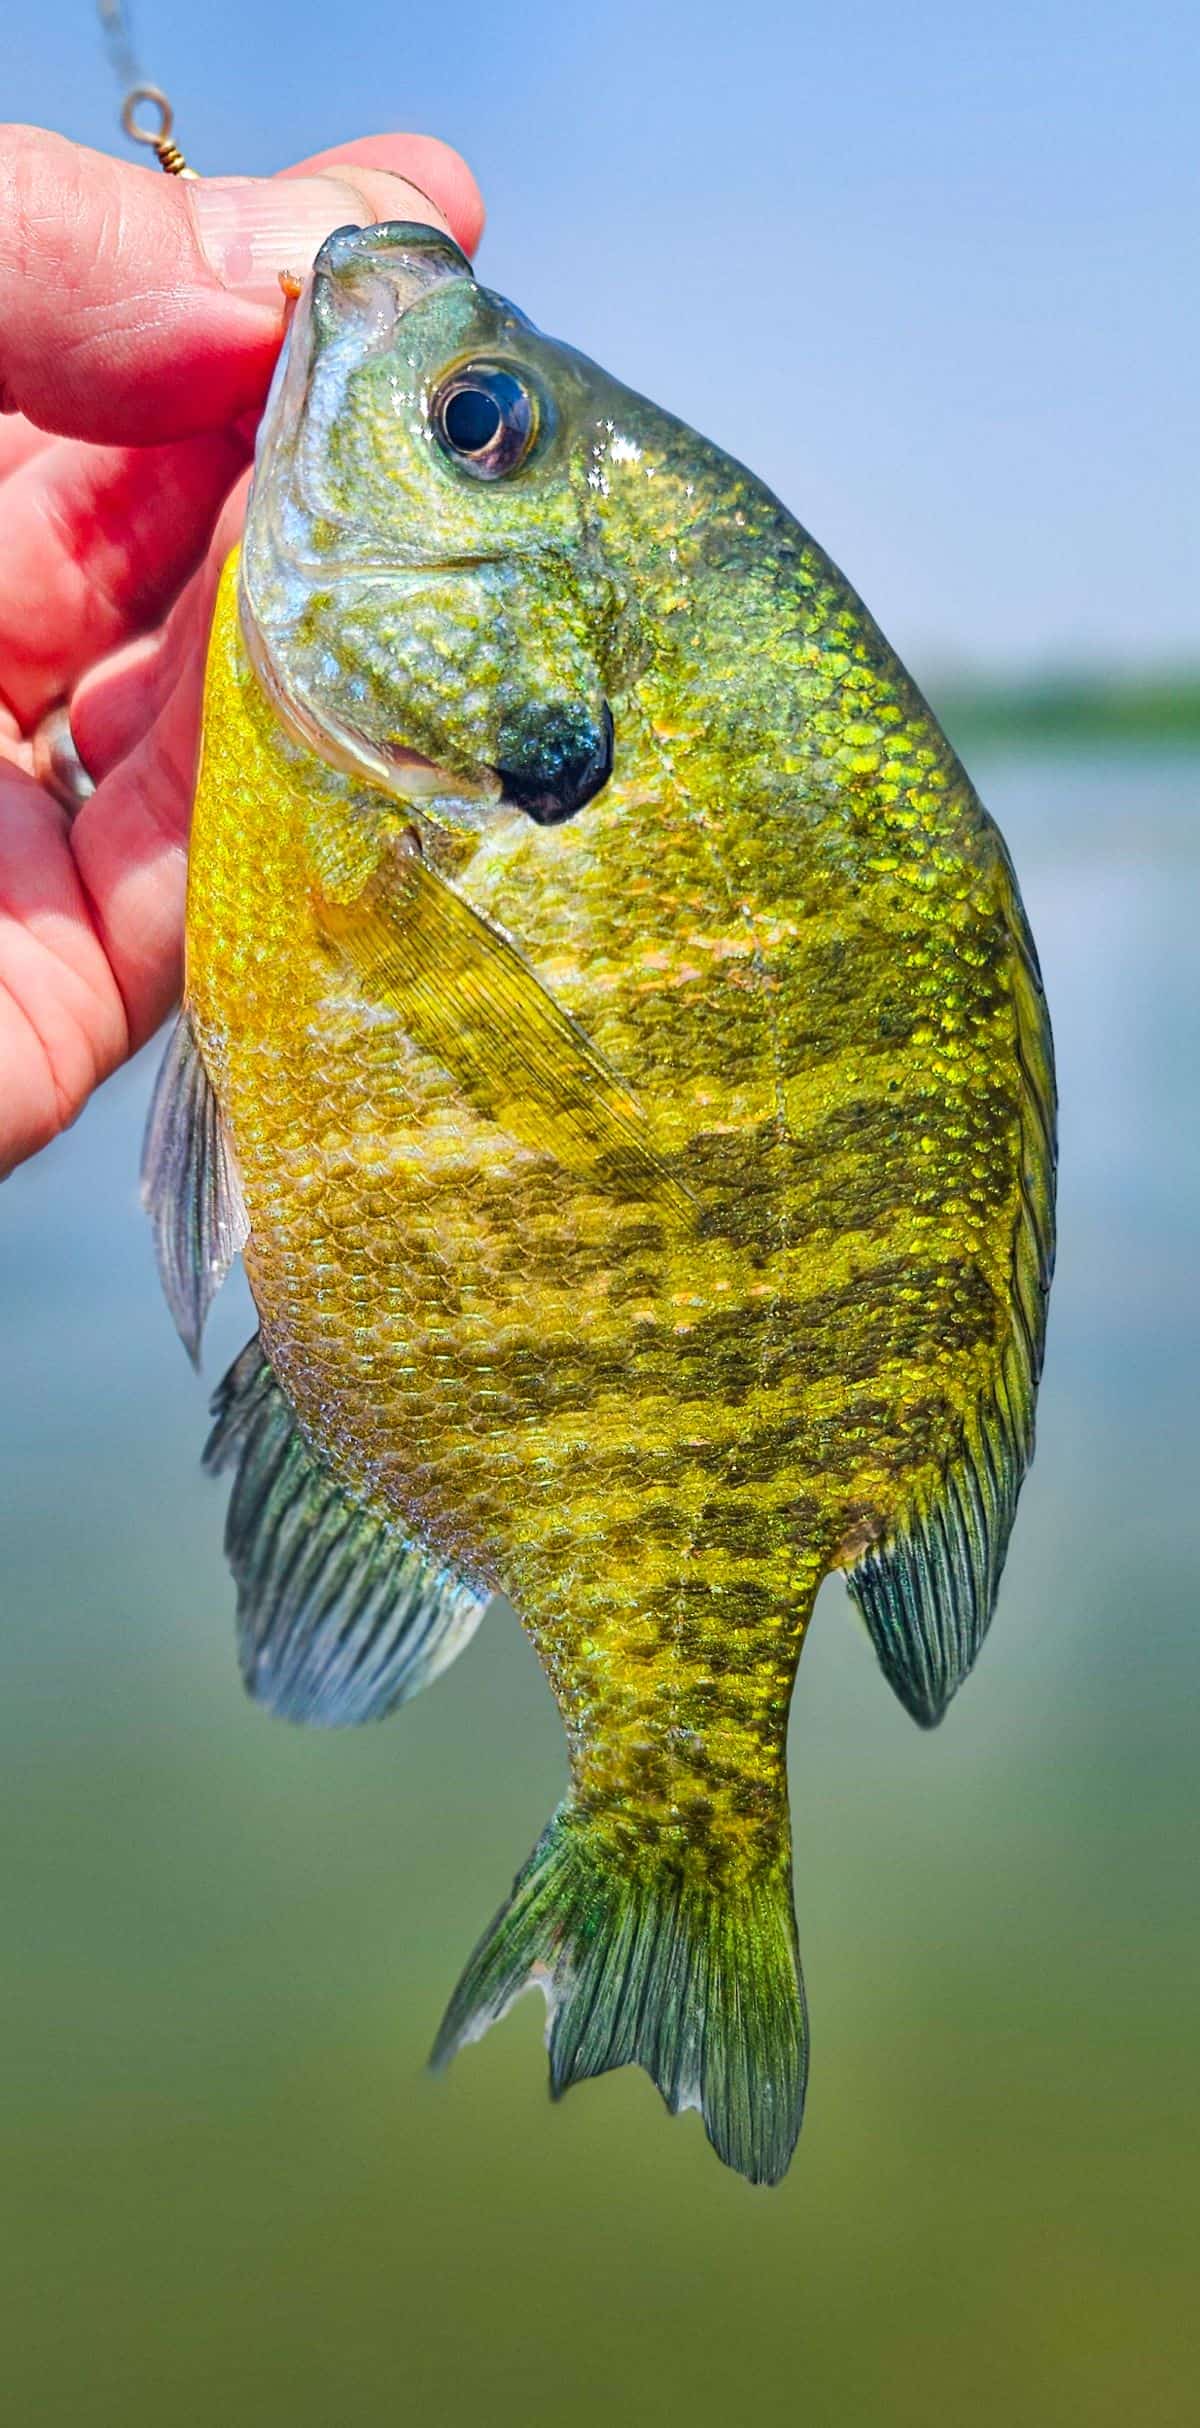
251	229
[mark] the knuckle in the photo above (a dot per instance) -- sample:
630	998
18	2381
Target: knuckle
41	201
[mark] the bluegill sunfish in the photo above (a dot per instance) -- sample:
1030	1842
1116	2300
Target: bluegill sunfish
613	1038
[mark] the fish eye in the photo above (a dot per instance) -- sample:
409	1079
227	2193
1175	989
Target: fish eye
487	420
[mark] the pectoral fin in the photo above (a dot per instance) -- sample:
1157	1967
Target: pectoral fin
464	993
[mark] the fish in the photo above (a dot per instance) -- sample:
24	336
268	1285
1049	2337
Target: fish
614	1043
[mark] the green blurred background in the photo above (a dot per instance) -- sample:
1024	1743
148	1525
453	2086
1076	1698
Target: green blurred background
229	2191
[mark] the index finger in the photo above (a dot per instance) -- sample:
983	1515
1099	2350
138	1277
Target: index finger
139	308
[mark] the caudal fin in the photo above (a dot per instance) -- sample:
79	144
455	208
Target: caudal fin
698	1982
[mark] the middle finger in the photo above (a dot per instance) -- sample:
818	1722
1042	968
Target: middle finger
103	538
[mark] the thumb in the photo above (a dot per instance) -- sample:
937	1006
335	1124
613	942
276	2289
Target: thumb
139	308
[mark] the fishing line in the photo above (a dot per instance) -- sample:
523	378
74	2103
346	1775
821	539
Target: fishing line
57	763
138	96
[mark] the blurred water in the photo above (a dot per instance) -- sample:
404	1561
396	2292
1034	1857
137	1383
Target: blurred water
229	2191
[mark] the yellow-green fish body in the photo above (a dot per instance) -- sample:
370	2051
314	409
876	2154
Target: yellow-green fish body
645	1184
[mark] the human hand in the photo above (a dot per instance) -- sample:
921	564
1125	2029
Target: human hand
140	318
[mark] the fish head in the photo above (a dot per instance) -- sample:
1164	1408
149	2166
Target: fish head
425	590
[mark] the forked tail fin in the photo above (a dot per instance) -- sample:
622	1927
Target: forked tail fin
697	1981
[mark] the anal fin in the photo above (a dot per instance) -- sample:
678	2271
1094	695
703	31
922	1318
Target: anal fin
340	1619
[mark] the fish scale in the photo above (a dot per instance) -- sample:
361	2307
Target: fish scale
647	1212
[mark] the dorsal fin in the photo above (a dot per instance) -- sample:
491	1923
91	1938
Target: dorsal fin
339	1617
927	1591
190	1187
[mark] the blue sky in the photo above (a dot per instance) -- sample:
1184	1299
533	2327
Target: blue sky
930	269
